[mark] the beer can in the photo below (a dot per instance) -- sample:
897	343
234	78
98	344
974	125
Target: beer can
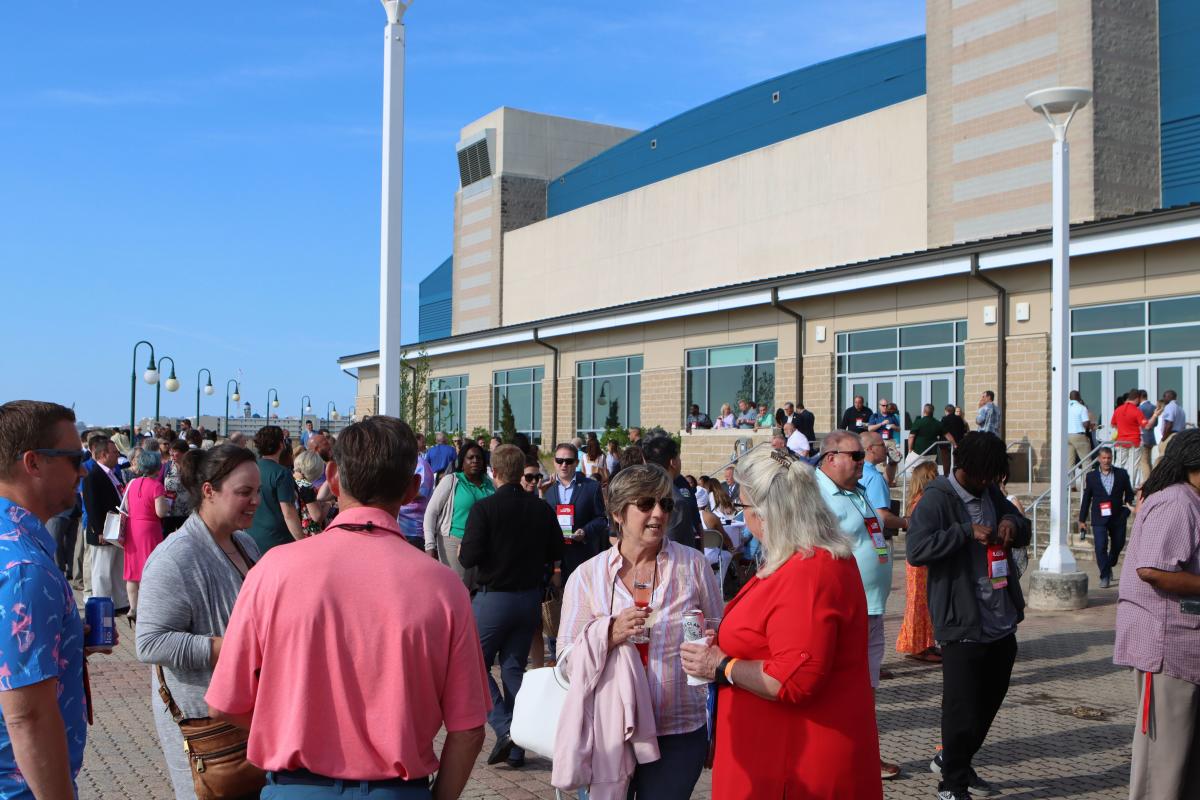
98	613
693	631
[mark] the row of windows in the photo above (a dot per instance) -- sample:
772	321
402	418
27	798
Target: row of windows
1127	329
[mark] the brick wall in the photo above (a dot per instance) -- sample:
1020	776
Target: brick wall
785	382
1028	405
566	411
705	452
980	375
479	407
662	398
819	390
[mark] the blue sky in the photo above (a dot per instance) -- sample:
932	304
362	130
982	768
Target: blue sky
206	176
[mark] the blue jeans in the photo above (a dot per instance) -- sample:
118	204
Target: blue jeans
674	776
360	789
1109	541
506	621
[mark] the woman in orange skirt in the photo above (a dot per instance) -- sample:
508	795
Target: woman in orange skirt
916	633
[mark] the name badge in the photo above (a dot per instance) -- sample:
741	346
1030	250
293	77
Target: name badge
566	520
875	531
1105	508
998	567
885	434
862	423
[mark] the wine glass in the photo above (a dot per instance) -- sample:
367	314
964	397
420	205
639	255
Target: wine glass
643	588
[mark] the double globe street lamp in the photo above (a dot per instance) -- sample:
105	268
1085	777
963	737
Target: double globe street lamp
235	397
150	376
172	384
208	389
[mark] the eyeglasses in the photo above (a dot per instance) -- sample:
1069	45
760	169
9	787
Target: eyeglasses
742	506
531	477
74	456
646	504
857	455
561	461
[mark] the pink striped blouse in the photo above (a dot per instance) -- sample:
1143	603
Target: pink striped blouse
684	581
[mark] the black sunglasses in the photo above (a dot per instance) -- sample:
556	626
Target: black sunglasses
857	455
531	477
646	504
564	460
74	456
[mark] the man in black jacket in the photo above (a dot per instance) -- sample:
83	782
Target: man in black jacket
102	489
578	503
1107	494
686	526
510	539
963	529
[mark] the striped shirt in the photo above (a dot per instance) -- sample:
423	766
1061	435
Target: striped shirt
684	581
1153	633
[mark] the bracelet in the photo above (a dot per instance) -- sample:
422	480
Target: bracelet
719	677
729	671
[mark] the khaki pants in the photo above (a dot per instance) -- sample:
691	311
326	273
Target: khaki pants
1145	464
1078	446
81	566
1166	759
1126	457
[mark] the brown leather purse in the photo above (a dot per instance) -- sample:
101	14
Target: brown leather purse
216	752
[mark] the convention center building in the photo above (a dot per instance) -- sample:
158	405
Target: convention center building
874	225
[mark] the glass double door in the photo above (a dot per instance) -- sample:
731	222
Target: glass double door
1103	386
909	392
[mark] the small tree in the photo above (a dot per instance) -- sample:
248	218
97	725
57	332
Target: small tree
508	424
414	389
480	432
613	420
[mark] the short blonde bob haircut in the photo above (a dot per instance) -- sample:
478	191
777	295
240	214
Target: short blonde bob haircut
309	464
783	490
635	482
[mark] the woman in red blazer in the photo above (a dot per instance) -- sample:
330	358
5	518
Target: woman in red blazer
795	714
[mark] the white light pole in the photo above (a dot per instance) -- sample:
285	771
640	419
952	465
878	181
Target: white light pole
391	218
1059	106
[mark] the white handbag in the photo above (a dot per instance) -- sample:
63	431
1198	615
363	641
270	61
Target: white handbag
114	522
538	706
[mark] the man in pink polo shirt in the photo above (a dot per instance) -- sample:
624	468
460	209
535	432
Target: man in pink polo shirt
347	652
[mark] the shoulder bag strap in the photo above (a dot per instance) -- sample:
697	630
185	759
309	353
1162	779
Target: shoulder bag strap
242	551
165	694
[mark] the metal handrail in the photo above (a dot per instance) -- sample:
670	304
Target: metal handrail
908	467
1028	461
1080	468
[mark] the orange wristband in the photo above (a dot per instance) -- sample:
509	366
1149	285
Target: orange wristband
729	670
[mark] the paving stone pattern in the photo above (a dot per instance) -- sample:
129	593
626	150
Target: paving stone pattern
1064	730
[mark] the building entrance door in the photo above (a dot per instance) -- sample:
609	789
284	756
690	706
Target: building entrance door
1101	386
1182	377
909	393
873	389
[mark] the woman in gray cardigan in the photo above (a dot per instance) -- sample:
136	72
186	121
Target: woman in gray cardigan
189	587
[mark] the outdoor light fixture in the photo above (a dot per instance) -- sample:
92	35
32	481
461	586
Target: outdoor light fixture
208	389
151	373
602	400
172	384
150	376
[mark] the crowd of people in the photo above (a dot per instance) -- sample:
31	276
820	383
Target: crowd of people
374	584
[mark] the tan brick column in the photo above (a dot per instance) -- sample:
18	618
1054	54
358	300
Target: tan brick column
1028	406
662	398
566	411
785	382
479	408
820	390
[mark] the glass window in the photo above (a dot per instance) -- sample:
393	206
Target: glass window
729	356
841	342
523	390
1173	340
960	356
720	375
1178	309
1090	392
1098	345
448	403
917	335
608	394
873	340
927	357
1107	318
960	331
912	402
873	362
939	396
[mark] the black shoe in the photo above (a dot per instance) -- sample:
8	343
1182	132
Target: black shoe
501	750
516	763
119	611
977	784
946	794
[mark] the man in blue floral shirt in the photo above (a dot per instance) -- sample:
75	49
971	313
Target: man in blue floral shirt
42	701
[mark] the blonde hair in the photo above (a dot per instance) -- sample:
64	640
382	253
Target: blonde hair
784	492
633	483
309	464
922	474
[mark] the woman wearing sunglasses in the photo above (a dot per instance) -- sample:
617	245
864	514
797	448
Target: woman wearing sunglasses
644	586
795	713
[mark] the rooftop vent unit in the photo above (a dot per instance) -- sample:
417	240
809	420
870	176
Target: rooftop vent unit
475	158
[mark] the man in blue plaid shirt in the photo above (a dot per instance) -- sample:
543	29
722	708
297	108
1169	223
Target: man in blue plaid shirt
988	418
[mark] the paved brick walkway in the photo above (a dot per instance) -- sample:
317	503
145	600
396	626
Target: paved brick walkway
1064	730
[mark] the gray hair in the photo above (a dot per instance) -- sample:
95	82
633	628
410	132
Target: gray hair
148	462
835	438
632	483
309	464
784	492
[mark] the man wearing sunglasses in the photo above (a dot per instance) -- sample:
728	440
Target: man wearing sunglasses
579	505
102	490
42	696
686	526
839	474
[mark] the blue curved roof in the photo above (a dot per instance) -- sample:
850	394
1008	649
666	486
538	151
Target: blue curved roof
809	98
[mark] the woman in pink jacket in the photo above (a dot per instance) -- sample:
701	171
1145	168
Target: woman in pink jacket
679	580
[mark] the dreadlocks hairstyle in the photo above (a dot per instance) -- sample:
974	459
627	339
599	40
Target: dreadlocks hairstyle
1182	456
983	456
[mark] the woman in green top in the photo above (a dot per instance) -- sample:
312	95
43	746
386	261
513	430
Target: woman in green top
446	514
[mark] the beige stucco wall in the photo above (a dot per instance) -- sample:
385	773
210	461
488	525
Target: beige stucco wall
844	193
